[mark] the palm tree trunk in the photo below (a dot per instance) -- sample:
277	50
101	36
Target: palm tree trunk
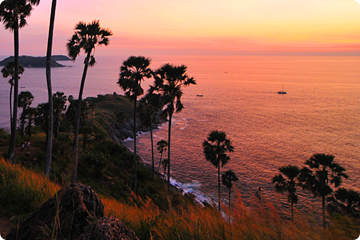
292	212
16	87
22	122
77	121
135	163
219	184
29	127
229	197
152	151
160	161
323	211
10	101
48	81
169	142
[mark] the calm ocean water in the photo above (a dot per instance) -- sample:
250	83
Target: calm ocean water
320	114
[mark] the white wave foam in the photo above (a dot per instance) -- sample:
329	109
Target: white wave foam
192	188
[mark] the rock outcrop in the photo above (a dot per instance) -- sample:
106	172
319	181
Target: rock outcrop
69	215
109	228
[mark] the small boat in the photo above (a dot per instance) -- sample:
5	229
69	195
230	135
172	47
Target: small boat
282	91
199	95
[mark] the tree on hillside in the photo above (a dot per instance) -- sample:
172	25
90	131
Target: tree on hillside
288	184
169	81
345	201
30	114
132	72
215	148
227	179
162	147
24	102
13	14
50	94
318	176
165	163
59	107
9	71
86	38
148	109
41	116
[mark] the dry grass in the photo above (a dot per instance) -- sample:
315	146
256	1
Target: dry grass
22	191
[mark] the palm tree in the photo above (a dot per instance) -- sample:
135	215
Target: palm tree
215	148
345	201
321	173
288	184
50	95
13	14
59	106
149	107
169	80
86	37
227	179
31	112
24	101
162	147
9	70
132	72
165	163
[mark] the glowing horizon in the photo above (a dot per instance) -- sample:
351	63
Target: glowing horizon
199	27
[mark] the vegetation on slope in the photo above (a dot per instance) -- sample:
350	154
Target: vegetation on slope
23	190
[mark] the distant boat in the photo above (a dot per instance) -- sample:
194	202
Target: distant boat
199	95
282	91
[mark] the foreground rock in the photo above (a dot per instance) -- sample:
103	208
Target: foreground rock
67	215
109	228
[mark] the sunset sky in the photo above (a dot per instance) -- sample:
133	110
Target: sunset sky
199	27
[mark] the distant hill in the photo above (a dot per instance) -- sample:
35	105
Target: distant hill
60	58
36	62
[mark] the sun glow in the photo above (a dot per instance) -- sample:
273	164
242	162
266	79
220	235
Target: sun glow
202	25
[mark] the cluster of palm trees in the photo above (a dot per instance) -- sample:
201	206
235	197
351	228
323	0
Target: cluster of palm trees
13	14
163	96
320	175
215	148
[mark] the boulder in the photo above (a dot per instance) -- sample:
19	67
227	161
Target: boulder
67	215
109	228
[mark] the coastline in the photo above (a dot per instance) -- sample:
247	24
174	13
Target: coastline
183	188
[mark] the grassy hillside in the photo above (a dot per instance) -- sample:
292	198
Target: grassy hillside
23	190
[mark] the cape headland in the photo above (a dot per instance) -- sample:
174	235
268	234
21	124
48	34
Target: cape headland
36	62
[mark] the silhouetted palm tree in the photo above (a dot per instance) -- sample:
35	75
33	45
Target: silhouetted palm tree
162	146
288	184
165	163
169	80
227	179
50	95
24	101
215	148
13	14
132	72
9	71
345	201
321	173
149	107
86	37
59	106
31	112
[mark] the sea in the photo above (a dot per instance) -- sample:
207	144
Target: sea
238	95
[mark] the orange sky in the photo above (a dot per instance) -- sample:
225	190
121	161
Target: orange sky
199	26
